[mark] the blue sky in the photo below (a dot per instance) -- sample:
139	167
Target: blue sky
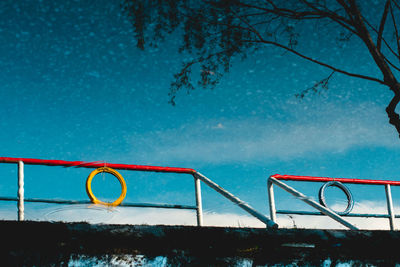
75	87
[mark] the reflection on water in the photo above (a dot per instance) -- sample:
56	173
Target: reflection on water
157	261
117	260
88	213
182	260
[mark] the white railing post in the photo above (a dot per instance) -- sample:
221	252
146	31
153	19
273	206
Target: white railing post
389	206
199	210
20	191
272	209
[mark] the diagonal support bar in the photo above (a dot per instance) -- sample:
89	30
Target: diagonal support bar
269	223
312	203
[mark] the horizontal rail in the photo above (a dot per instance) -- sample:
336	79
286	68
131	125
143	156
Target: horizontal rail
78	202
97	164
162	206
328	179
299	212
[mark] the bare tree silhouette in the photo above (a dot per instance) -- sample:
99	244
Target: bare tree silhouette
216	31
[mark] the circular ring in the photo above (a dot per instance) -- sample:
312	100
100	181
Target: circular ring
350	200
113	172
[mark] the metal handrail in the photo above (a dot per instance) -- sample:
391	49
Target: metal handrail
80	202
196	175
276	179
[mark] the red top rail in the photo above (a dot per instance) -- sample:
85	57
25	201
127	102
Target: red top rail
97	164
328	179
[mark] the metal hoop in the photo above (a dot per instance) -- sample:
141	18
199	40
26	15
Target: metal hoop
350	200
113	172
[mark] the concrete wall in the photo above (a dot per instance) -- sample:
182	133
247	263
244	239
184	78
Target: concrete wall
45	243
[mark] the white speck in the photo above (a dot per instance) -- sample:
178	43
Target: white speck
94	73
219	126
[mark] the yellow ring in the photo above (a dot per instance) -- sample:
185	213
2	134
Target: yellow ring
113	172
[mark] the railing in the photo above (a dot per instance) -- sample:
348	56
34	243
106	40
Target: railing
196	175
322	208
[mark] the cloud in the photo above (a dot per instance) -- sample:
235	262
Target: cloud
152	216
324	222
332	130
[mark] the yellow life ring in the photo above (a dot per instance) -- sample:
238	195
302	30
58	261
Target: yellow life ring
113	172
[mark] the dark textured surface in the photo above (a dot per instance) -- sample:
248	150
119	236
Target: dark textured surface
46	243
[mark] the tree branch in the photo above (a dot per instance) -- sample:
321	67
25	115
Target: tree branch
287	13
342	21
251	28
396	4
348	11
394	118
388	77
382	25
334	69
317	61
315	14
383	39
395	31
391	64
183	79
322	83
